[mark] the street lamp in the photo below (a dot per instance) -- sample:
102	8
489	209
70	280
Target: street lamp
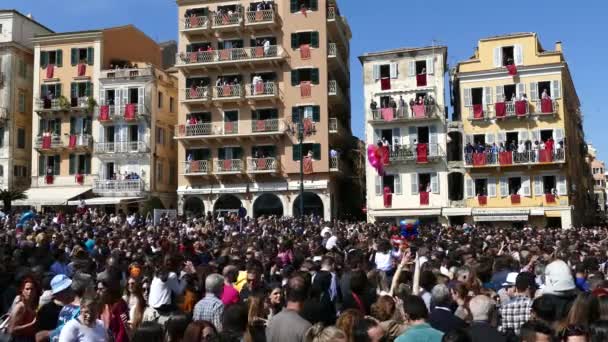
301	143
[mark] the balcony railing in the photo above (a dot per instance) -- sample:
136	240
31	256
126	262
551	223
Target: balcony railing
262	165
259	17
416	112
331	13
334	163
126	73
247	54
268	125
333	125
118	186
126	112
197	94
195	22
63	180
333	88
198	167
79	141
121	147
507	158
262	89
49	142
229	166
232	128
409	153
227	20
545	107
332	50
514	109
229	91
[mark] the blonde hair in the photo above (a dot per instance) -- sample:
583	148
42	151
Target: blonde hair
317	333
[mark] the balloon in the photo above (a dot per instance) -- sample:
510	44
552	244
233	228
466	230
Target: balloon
25	217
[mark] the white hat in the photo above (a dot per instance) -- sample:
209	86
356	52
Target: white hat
558	278
60	283
511	278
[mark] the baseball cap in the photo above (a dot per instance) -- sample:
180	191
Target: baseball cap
511	279
60	283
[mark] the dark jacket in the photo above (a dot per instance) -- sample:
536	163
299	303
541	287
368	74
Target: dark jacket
483	332
445	321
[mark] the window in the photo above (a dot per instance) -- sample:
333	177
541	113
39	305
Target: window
199	117
514	185
388	181
421	68
20	171
385	71
49	165
22	69
549	184
80	164
479	139
21	138
424	182
481	187
160	99
304	75
198	154
21	102
266	151
79	90
542	87
508	55
160	136
314	148
192	82
305	38
512	138
54	57
82	55
1	136
477	96
265	114
50	90
309	112
506	93
299	5
171	104
159	170
229	153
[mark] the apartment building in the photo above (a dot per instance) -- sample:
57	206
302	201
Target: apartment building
16	70
406	120
598	172
523	144
253	77
74	73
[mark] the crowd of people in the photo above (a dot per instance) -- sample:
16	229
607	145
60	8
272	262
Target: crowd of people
524	151
91	276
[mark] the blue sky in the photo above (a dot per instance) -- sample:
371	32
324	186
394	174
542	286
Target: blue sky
387	24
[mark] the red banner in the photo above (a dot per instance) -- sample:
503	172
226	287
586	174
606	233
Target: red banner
483	200
388	114
424	198
422	153
260	125
505	158
385	83
82	69
50	69
104	113
130	111
79	179
546	106
46	142
479	159
305	89
501	109
478	111
550	198
388	197
421	80
308	166
49	179
72	141
386	155
512	69
521	108
305	51
515	199
419	111
545	156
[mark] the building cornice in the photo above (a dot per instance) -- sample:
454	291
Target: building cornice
502	72
75	37
402	52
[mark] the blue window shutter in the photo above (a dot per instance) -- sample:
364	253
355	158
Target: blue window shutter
316	113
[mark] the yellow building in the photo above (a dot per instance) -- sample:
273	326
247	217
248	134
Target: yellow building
522	134
249	73
77	153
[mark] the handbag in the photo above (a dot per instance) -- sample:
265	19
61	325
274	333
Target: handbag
4	335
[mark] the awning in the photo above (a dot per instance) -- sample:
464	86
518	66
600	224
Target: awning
500	211
107	200
553	213
405	212
55	195
456	211
497	218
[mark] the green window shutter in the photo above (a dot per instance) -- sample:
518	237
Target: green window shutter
221	153
41	166
72	125
57	90
220	45
296	152
314	5
316	113
72	164
294	6
44	89
56	166
88	90
74	90
255	115
295	114
57	126
314	39
294	41
316	151
90	56
74	56
44	59
314	75
295	77
87	164
188	48
59	58
88	126
274	113
237	153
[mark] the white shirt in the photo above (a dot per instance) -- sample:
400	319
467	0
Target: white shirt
383	261
160	292
331	242
74	331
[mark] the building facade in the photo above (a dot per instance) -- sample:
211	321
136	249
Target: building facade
16	70
598	172
406	121
68	72
252	77
523	141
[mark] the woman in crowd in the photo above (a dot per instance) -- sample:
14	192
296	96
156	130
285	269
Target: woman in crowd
22	319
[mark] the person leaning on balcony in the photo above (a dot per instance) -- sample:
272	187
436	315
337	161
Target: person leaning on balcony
401	102
392	103
545	95
523	97
266	47
420	100
373	105
412	104
502	148
469	148
423	72
521	148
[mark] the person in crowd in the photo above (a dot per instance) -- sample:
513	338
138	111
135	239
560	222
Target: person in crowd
483	310
319	333
441	316
149	332
86	326
211	308
368	330
48	314
518	309
22	319
200	331
416	316
288	325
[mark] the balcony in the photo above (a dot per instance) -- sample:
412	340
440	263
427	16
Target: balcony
510	109
126	112
127	73
242	56
198	95
126	149
43	181
195	24
335	164
118	187
49	143
80	142
419	154
237	129
262	90
415	113
335	93
75	104
262	165
261	19
337	24
197	168
513	110
333	54
229	166
513	158
545	107
333	125
227	21
228	92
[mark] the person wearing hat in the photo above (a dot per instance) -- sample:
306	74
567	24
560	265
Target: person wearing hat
507	290
560	287
517	310
48	314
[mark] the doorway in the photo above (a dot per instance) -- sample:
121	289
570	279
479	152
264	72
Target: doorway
423	135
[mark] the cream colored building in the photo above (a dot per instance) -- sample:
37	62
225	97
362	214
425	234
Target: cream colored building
248	72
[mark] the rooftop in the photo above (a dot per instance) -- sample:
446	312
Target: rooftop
441	48
28	17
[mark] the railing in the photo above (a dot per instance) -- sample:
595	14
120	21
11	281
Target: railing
262	89
80	141
118	186
331	13
259	17
223	20
417	112
121	147
229	166
332	50
53	104
197	93
120	112
240	128
334	163
126	73
196	22
55	180
200	167
228	55
228	91
268	125
407	153
333	125
514	158
333	88
545	107
55	142
269	164
80	102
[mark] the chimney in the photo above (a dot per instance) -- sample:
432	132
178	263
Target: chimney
476	52
558	46
29	15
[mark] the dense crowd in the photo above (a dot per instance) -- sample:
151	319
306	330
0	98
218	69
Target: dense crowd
96	277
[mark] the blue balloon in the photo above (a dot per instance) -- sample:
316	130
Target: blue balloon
26	217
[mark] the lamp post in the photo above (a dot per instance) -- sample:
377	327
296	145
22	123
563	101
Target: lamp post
301	143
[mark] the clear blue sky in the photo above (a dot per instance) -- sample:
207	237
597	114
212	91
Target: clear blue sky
386	24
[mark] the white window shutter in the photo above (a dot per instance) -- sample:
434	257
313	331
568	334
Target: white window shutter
469	188
413	133
519	57
502	137
559	134
468	97
430	66
394	70
376	72
534	91
562	188
492	187
397	136
434	183
504	187
376	135
378	186
525	186
498	57
433	140
411	70
140	95
520	89
397	184
490	138
102	97
468	139
125	96
538	186
414	183
487	95
556	89
535	135
500	93
524	135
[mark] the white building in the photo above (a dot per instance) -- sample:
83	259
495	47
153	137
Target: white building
16	60
407	87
